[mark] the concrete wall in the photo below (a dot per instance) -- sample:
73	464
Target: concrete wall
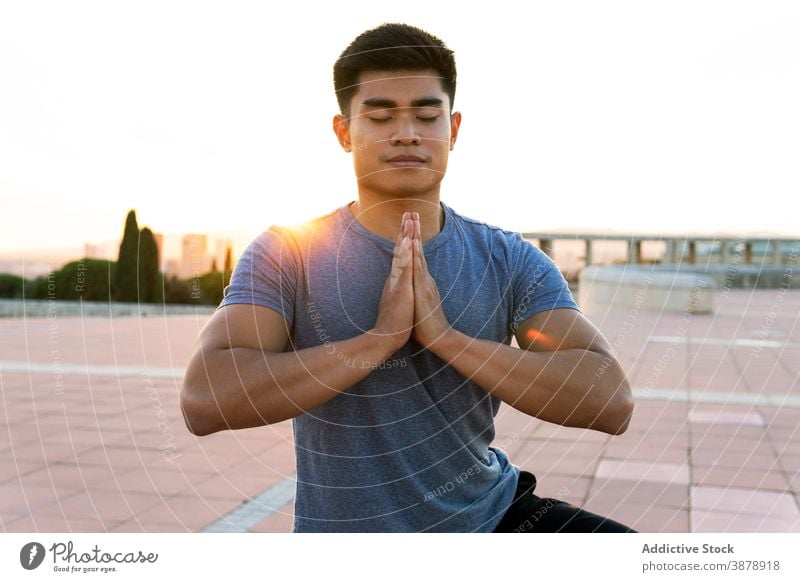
739	276
615	288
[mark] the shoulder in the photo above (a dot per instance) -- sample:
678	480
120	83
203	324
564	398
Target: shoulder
293	237
480	227
501	241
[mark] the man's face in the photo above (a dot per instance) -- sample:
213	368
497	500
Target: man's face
400	132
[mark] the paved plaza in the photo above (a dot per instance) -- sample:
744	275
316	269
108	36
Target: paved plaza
92	438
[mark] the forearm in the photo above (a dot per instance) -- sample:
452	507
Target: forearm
244	387
562	386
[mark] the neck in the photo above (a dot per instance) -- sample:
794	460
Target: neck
382	217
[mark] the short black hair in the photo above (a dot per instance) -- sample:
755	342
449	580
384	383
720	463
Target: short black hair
388	47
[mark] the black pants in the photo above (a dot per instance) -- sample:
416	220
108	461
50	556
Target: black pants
530	513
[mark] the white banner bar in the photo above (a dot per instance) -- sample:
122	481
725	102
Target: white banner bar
398	557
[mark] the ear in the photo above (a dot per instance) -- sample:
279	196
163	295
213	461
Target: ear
455	123
341	127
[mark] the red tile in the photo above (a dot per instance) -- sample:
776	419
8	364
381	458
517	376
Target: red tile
739	478
187	513
281	521
55	523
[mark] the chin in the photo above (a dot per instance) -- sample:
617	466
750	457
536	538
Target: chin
405	188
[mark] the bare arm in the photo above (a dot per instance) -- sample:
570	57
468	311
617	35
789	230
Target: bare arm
575	382
251	383
565	372
239	375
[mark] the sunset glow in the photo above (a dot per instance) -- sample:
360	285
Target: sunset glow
218	126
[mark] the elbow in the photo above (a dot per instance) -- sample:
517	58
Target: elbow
622	409
615	399
199	419
201	407
622	418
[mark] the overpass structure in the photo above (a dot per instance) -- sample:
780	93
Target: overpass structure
683	249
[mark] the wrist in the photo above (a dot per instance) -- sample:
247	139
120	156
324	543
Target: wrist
446	344
385	344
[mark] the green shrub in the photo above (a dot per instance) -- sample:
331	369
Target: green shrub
11	286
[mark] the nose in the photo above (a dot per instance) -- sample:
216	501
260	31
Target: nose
405	134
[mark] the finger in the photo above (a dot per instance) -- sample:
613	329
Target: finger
400	232
424	263
405	253
415	277
397	269
419	238
396	256
400	263
418	266
397	253
409	227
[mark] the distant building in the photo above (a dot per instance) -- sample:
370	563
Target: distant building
222	245
160	245
27	268
108	250
91	251
194	258
172	268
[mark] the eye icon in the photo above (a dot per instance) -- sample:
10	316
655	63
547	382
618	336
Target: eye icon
31	555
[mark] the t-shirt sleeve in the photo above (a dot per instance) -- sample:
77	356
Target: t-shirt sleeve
266	275
537	283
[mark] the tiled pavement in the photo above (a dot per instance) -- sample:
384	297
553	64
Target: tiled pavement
714	444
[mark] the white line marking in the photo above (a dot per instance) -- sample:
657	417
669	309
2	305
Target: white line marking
709	397
704	396
84	370
712	341
256	510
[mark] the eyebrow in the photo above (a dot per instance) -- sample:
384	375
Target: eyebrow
389	103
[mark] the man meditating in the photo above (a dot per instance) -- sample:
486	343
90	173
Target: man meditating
383	329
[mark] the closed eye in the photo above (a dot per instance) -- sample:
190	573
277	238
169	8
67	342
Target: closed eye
385	119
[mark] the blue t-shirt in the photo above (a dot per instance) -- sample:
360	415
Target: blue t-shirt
408	448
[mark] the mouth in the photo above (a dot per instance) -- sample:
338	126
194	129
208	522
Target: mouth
406	161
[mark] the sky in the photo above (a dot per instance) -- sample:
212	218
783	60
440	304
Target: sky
649	117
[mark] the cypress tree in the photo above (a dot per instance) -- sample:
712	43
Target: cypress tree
148	267
228	268
124	286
